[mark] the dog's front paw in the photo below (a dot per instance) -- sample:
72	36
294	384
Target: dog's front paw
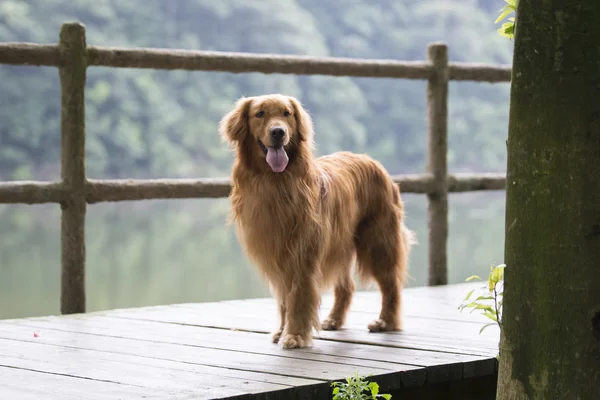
276	336
380	325
331	324
290	341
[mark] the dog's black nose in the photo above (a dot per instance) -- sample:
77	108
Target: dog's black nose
277	133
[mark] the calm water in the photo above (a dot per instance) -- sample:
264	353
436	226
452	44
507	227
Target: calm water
161	252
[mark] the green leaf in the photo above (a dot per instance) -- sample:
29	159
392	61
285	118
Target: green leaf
386	396
472	304
503	15
469	294
507	30
471	278
498	272
491	315
374	388
485	326
336	390
483	307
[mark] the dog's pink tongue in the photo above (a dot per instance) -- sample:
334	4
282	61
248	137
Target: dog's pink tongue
277	159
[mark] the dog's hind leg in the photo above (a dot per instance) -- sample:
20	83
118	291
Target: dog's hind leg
391	303
382	254
342	294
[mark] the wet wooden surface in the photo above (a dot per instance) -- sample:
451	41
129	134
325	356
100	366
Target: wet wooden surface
222	350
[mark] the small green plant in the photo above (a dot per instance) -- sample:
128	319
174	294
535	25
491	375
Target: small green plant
357	388
508	28
490	302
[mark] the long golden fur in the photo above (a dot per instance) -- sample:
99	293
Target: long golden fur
304	220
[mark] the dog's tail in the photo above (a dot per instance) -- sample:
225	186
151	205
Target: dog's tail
409	239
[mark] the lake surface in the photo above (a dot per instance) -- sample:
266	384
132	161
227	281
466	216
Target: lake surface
162	252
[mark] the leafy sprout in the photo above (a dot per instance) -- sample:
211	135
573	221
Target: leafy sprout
357	388
490	302
508	28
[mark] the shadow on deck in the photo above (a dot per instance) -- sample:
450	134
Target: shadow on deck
221	350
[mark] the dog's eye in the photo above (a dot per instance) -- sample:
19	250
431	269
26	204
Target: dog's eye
260	114
286	113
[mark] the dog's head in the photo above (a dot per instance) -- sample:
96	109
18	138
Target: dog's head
270	128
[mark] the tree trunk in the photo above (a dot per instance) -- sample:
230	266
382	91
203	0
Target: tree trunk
550	347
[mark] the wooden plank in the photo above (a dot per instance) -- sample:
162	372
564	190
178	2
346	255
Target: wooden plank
249	318
217	339
224	339
11	391
425	310
440	304
121	368
346	353
22	384
267	315
246	350
124	369
437	302
318	369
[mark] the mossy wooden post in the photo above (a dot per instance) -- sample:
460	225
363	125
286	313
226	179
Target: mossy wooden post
550	346
72	73
437	163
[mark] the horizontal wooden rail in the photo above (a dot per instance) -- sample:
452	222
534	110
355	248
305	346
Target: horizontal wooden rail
30	54
50	55
32	192
96	191
263	63
460	183
128	189
478	72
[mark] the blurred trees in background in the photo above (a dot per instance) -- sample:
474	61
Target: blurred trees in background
145	123
154	124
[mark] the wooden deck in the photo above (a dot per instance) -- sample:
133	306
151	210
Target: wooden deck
221	350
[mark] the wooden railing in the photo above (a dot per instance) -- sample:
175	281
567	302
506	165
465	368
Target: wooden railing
73	56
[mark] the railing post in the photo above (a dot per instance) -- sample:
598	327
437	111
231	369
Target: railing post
72	72
437	163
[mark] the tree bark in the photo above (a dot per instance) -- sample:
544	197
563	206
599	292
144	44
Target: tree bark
550	346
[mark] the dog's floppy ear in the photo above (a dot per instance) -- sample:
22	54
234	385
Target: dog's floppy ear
234	125
304	122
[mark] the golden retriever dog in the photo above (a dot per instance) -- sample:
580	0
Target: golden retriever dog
304	220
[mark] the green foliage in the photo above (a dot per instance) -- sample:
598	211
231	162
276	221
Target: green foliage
508	28
357	388
490	302
490	299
